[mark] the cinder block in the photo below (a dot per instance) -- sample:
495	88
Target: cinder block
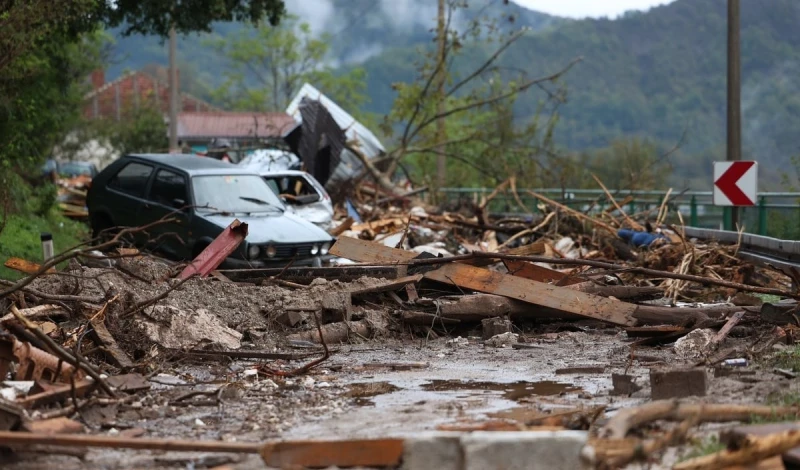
678	383
495	326
433	450
528	450
624	384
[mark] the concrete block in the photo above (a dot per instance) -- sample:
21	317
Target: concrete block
678	383
528	450
495	326
433	450
624	384
336	307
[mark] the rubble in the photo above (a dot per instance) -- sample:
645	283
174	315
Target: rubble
117	343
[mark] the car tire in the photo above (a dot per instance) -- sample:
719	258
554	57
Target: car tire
101	228
198	248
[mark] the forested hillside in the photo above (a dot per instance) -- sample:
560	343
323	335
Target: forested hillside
653	74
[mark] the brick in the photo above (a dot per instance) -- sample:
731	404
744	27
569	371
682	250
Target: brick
528	450
678	383
624	384
437	450
495	326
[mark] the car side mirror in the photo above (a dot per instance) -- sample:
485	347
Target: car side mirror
178	203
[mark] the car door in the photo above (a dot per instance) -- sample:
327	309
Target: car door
168	198
126	193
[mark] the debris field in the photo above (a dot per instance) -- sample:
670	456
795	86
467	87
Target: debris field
447	319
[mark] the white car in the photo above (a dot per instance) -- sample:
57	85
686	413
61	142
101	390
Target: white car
303	194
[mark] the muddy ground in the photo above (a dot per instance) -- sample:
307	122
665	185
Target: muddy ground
462	384
451	381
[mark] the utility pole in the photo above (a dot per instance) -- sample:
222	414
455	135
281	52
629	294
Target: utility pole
734	95
173	92
441	131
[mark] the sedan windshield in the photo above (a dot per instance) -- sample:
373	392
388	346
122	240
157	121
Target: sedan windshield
234	194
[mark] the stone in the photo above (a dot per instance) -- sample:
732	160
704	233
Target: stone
438	450
174	328
678	383
526	450
624	384
290	319
502	340
694	344
495	326
336	307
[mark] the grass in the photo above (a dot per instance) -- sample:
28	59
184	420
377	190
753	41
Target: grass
706	446
786	359
20	238
768	298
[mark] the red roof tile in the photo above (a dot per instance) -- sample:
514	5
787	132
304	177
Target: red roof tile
233	124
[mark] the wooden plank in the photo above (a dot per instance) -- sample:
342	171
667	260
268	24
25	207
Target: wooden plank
216	252
364	251
24	266
538	273
536	293
341	228
56	393
323	454
389	286
104	338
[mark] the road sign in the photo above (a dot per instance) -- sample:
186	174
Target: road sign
735	183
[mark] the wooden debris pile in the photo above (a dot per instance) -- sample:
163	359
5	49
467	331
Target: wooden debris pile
72	195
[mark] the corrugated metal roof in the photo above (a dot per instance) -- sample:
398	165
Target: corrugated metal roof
369	143
233	125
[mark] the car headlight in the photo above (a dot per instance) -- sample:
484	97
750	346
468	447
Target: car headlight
314	250
253	251
325	247
271	251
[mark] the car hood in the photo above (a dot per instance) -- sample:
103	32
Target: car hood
274	228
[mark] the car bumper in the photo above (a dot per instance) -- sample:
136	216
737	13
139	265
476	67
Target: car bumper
236	263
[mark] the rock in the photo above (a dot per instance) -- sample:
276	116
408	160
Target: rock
693	345
171	327
678	383
495	326
502	340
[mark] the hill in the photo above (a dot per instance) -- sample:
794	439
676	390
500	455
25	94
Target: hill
656	74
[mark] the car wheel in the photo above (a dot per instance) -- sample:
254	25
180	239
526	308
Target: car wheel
102	228
198	248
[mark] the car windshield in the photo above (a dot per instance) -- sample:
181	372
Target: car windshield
75	169
234	194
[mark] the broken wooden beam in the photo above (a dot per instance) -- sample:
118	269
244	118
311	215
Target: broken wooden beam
23	438
723	332
304	275
476	307
103	338
536	293
382	453
427	319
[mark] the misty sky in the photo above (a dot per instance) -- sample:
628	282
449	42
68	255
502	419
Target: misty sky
584	8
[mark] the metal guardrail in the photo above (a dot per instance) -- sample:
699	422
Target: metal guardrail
696	207
783	254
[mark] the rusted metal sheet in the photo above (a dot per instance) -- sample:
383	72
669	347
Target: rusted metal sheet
536	293
535	272
225	244
324	454
24	266
34	363
364	251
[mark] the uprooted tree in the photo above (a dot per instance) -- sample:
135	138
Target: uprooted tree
484	142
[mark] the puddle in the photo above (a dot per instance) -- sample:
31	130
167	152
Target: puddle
362	392
514	391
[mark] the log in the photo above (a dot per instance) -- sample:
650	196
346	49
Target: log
628	419
334	332
619	292
652	315
427	319
476	307
23	438
754	450
37	313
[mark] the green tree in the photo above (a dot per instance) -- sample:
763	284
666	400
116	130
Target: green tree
484	141
268	65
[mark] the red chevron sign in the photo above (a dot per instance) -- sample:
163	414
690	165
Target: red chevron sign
735	183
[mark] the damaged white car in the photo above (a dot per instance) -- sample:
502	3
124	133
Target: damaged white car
303	194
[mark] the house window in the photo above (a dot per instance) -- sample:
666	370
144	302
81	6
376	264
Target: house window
168	187
132	179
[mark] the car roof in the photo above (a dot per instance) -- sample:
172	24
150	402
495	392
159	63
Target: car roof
194	164
284	173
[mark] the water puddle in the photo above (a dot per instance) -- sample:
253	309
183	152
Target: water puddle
363	392
514	391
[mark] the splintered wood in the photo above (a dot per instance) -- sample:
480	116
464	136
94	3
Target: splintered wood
536	293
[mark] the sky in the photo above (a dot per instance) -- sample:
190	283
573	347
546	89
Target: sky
593	8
